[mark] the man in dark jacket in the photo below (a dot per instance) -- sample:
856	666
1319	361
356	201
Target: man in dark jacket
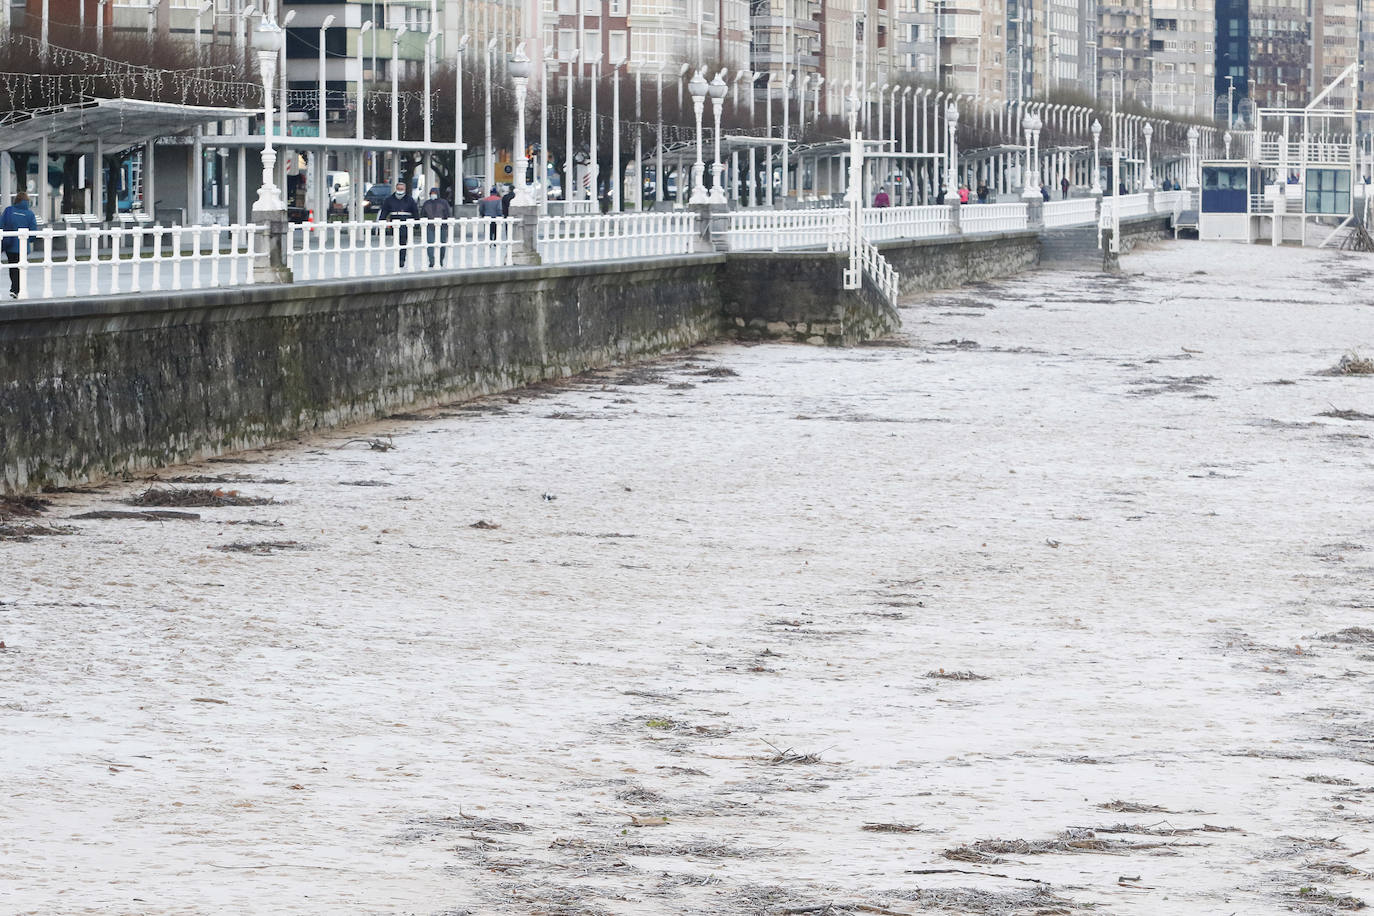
506	199
400	207
436	208
16	216
490	206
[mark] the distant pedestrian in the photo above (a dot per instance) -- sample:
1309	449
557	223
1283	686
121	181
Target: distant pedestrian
881	199
963	193
1045	192
983	192
1121	188
16	216
398	208
940	198
1064	187
506	199
436	208
490	207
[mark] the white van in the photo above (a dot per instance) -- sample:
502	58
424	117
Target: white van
340	190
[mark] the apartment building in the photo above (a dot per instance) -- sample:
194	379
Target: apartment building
1335	46
1124	67
1183	54
647	33
1279	59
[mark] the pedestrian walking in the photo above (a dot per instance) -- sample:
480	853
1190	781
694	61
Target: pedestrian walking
17	215
940	198
1064	187
490	207
982	192
398	208
436	208
881	199
1045	192
963	193
506	199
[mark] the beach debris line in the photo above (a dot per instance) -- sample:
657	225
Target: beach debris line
376	444
259	548
201	497
942	674
1351	363
147	515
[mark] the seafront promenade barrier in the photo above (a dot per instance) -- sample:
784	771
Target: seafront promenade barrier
78	262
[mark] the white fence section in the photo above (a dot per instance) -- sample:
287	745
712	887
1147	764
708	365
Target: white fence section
1172	201
96	261
772	230
992	218
885	223
1072	212
612	237
332	251
879	271
1130	204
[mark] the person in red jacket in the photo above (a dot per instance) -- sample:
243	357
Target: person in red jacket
881	199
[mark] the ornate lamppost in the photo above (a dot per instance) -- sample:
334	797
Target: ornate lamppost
268	41
717	90
698	87
1030	188
1097	162
1147	132
519	69
1192	157
952	151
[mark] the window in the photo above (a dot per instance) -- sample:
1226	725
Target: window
567	7
567	43
619	47
618	7
1328	191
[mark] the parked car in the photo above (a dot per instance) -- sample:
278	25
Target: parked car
373	196
472	189
340	191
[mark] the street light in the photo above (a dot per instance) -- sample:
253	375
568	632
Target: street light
717	89
1030	187
617	174
396	84
952	149
281	69
519	69
367	27
459	148
490	162
1226	144
320	179
698	87
659	180
324	26
1097	162
1147	132
550	56
201	10
268	41
568	164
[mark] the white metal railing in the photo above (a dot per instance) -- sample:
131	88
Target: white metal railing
1172	201
563	239
905	222
1129	204
771	230
992	217
103	261
1070	212
878	270
343	250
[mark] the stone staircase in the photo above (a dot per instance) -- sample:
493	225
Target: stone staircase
1071	246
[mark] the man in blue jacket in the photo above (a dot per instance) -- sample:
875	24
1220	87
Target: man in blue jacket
400	207
16	216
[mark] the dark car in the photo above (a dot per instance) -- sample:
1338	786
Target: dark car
472	189
373	197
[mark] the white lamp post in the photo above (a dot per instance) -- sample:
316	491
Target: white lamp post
367	27
1029	189
550	57
268	41
152	17
717	90
396	83
430	39
1097	162
1192	157
698	87
201	10
281	70
1147	132
519	69
1226	143
459	148
324	26
490	162
639	136
952	150
569	167
100	27
659	179
617	175
593	159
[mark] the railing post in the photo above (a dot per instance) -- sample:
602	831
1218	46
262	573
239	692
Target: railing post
271	265
1035	214
527	245
954	226
706	226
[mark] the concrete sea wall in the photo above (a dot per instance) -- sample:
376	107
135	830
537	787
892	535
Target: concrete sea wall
91	388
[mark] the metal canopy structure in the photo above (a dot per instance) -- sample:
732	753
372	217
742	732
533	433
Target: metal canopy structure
116	124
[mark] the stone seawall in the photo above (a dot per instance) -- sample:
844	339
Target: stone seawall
91	388
929	264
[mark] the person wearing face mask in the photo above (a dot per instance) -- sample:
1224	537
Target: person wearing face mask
436	208
400	207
